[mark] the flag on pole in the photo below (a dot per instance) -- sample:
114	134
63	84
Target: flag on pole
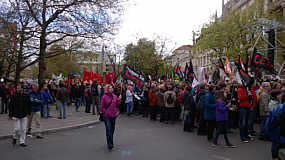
222	68
246	79
189	74
228	69
260	63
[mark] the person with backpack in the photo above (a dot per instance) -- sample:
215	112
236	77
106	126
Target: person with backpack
221	119
169	100
95	98
189	109
264	109
109	104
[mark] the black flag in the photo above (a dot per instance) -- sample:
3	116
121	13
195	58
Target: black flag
260	63
189	74
136	78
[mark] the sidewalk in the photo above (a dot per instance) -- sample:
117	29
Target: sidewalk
73	120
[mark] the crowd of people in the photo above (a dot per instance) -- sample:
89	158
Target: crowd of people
216	108
209	109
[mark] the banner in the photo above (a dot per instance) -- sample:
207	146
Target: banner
260	63
106	76
87	76
136	78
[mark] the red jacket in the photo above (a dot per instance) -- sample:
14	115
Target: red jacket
244	99
152	98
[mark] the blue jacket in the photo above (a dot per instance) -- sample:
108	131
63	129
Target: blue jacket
47	98
221	111
36	106
209	104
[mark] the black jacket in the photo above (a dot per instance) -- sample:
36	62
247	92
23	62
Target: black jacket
76	92
20	106
188	101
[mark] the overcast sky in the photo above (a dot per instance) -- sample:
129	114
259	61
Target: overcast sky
175	19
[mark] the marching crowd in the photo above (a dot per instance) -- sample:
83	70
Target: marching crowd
211	109
217	108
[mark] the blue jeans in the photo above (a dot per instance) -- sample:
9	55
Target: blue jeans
62	109
82	101
130	107
77	103
262	125
243	123
46	110
251	120
275	149
110	129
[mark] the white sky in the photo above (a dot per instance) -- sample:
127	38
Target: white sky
174	19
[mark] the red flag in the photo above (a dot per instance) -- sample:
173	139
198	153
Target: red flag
106	75
111	77
84	75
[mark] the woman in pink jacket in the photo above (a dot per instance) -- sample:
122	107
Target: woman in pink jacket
108	107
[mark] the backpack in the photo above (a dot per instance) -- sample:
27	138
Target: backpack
94	90
170	99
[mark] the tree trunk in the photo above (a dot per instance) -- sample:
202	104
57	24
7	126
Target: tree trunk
42	64
17	74
7	74
19	59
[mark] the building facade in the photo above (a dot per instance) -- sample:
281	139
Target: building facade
180	56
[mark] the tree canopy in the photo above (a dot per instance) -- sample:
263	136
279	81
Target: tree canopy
143	57
234	33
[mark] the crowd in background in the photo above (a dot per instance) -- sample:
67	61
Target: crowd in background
210	109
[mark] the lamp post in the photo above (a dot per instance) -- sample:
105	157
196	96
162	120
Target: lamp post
103	59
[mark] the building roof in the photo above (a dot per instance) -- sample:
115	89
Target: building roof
184	47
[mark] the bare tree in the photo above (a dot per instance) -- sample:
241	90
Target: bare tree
53	21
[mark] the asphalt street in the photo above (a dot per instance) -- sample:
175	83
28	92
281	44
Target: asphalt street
136	138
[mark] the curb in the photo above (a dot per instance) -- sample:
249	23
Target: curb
53	130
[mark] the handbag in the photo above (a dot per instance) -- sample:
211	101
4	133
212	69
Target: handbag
101	118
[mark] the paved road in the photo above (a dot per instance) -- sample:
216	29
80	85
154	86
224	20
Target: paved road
136	139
